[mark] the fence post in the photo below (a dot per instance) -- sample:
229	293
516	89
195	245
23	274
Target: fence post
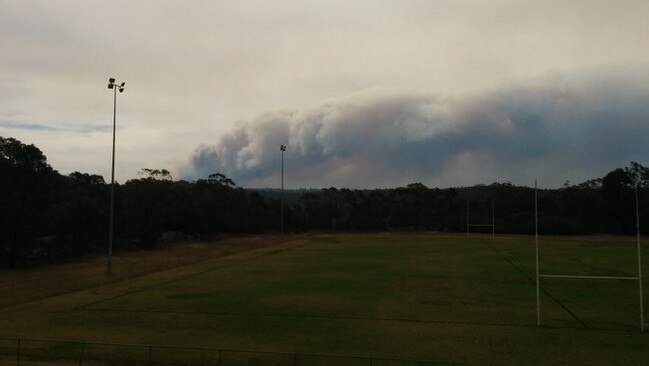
83	349
150	355
18	353
220	358
294	359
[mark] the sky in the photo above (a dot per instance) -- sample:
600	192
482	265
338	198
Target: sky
364	93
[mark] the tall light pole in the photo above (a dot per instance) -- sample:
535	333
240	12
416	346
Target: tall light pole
282	148
112	85
637	220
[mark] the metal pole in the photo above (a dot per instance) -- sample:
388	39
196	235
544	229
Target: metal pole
83	349
637	218
112	189
493	220
467	218
282	194
18	353
536	240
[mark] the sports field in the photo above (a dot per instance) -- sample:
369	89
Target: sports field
431	297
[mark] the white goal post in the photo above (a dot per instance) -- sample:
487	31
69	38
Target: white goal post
492	225
564	276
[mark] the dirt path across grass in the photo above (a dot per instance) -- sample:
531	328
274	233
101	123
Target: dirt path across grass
20	286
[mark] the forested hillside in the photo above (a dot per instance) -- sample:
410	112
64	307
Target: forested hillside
48	217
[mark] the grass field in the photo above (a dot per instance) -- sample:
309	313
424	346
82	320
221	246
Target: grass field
468	300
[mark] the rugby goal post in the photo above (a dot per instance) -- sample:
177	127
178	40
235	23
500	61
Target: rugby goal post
492	225
539	275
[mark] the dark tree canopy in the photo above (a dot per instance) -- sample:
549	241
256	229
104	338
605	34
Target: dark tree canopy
46	217
16	156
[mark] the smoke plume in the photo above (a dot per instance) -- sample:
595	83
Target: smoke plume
556	128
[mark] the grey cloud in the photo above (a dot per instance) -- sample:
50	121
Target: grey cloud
17	125
559	127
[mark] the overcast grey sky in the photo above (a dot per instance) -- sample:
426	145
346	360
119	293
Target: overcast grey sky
364	93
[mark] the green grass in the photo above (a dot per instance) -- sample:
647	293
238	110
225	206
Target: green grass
394	296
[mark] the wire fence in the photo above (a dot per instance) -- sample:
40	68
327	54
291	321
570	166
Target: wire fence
42	352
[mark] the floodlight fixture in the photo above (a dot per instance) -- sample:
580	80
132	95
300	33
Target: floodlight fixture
282	147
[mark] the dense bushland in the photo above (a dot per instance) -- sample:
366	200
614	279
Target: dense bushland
49	217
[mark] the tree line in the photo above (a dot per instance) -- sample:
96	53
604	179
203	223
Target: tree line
47	217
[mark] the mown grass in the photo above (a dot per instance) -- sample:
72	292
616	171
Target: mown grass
470	300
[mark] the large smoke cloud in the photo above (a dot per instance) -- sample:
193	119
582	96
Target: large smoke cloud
561	127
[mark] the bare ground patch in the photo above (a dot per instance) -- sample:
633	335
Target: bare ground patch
20	286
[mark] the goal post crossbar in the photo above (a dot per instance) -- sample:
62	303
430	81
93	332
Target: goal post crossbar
635	278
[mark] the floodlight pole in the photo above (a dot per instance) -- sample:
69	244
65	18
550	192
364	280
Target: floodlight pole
467	218
493	220
282	148
637	218
112	85
536	240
